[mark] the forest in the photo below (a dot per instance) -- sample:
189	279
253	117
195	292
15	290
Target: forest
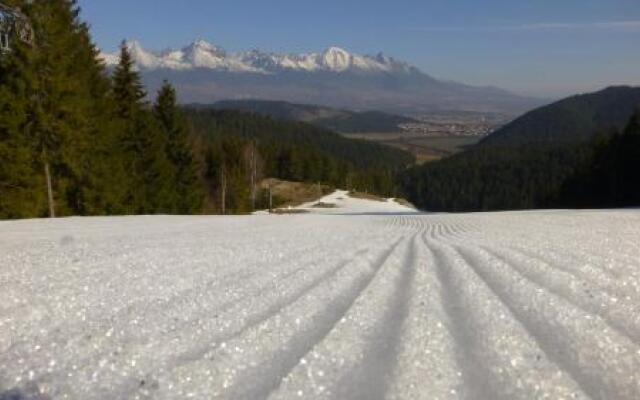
602	171
76	139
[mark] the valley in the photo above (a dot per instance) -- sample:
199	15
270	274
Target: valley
425	148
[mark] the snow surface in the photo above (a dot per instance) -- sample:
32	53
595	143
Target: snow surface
201	54
369	300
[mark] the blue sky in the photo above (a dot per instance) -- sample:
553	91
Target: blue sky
546	48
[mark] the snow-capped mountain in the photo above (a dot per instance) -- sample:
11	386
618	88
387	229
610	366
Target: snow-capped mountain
205	73
204	55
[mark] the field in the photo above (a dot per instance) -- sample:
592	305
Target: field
364	300
424	148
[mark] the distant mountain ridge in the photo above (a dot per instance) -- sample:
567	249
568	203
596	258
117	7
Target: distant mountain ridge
206	73
576	118
338	120
202	54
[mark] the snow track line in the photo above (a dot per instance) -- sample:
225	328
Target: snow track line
251	320
252	382
561	342
178	303
370	378
496	352
325	369
426	366
173	301
132	348
474	376
586	271
273	309
577	292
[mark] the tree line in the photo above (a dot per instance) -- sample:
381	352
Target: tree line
600	172
76	139
247	147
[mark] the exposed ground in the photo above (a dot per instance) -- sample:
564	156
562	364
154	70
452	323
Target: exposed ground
291	194
424	148
367	300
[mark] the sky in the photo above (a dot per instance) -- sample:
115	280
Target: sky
543	48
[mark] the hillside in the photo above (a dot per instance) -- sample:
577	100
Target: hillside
568	173
236	148
268	131
330	118
573	119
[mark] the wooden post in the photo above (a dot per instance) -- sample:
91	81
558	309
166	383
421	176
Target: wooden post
270	200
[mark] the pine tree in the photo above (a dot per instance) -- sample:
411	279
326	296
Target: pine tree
58	91
187	197
142	143
21	194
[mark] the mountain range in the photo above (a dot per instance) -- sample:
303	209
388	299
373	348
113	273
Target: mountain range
206	73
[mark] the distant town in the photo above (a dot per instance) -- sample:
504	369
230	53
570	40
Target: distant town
455	124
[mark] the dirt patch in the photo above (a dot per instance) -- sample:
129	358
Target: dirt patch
324	205
291	194
367	196
289	211
404	202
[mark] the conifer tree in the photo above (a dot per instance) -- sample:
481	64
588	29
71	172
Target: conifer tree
58	86
142	143
21	193
187	197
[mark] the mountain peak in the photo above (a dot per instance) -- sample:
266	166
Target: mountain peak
202	54
336	59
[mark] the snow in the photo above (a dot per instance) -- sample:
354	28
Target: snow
202	54
370	299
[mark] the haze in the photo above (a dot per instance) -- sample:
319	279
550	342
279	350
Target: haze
544	48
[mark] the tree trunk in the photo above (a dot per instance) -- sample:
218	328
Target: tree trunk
47	174
253	177
223	191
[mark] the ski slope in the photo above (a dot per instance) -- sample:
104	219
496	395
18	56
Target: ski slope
369	300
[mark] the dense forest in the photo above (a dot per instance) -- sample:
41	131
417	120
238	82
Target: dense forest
574	119
337	120
76	139
598	172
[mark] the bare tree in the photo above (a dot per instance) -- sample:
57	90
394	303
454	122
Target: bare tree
254	165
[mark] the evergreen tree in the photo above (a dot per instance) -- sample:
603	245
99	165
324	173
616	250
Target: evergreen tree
21	186
56	91
186	183
142	143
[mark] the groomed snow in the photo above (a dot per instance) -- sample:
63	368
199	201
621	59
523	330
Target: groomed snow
368	300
